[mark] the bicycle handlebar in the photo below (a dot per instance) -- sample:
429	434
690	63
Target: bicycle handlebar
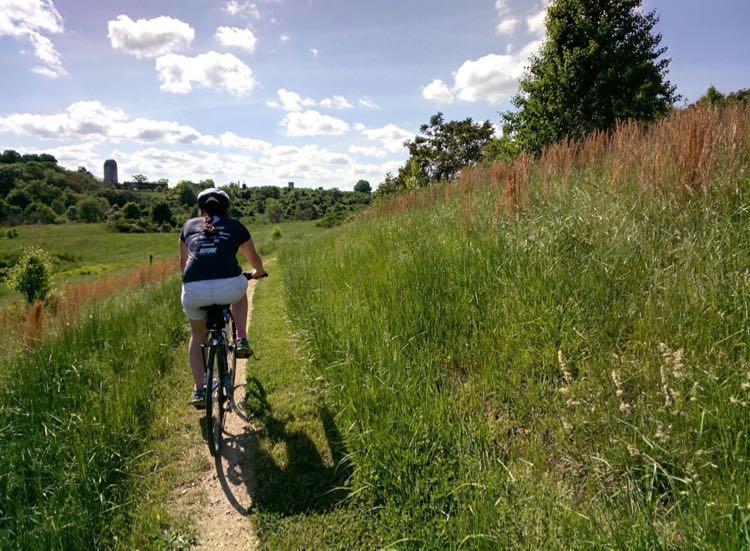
249	275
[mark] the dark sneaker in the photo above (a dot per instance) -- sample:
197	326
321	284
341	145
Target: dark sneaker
198	399
243	349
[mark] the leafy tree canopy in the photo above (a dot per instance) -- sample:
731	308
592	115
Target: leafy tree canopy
442	148
363	186
717	99
31	276
601	63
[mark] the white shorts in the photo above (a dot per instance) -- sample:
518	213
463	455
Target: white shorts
197	294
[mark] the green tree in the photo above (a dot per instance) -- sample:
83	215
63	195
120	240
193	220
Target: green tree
443	148
363	186
185	194
140	178
31	276
8	177
131	211
274	210
161	213
390	185
10	156
601	63
502	149
717	99
39	213
20	198
91	209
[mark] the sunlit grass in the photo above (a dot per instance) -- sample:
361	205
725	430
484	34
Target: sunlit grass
548	362
73	414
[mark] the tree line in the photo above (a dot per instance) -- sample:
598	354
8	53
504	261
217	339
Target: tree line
601	64
34	189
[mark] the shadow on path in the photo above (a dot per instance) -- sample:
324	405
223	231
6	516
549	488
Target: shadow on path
299	479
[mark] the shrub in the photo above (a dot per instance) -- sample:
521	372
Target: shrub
31	276
276	233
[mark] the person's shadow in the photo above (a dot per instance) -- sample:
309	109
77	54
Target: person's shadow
299	480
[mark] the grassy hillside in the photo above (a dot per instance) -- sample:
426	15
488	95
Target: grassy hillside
73	416
553	354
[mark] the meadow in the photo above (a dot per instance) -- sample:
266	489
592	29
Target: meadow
77	404
553	353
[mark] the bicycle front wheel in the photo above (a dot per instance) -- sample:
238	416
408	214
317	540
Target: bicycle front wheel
215	369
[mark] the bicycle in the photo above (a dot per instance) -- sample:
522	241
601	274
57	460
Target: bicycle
220	367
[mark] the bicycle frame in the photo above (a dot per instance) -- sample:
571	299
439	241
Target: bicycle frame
218	348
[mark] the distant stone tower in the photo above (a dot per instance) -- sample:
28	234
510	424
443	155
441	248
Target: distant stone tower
110	171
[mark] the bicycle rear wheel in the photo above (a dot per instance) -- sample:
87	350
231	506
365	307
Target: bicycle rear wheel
231	361
215	399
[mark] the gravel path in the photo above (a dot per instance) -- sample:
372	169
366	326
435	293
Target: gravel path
223	494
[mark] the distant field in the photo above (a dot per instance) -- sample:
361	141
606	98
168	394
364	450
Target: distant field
84	251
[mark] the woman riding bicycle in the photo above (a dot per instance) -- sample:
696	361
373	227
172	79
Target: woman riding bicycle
212	275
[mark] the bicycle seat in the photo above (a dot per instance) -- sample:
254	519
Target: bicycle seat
216	319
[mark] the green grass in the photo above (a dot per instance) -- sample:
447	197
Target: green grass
299	461
577	376
74	415
89	251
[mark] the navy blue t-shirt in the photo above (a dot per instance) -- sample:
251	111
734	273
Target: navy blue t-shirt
213	256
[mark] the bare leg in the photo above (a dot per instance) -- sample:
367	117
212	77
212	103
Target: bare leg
195	352
239	313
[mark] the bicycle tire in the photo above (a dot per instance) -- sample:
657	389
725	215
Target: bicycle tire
232	364
214	403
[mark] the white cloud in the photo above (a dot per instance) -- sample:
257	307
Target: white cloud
336	102
232	140
225	158
390	137
536	23
290	101
27	20
232	37
284	38
212	70
86	120
149	37
502	7
437	91
80	154
367	151
367	103
307	165
314	51
506	26
492	78
312	123
242	8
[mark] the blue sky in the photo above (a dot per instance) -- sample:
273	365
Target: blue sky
319	92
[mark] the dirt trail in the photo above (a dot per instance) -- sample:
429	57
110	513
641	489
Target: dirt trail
219	502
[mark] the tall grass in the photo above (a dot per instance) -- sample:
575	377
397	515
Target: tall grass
64	305
73	412
550	354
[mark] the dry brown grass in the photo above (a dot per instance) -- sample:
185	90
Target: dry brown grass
692	151
29	324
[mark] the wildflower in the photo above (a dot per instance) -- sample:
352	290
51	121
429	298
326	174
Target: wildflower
665	386
694	392
678	365
567	377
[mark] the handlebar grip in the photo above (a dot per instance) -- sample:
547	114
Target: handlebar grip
249	275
